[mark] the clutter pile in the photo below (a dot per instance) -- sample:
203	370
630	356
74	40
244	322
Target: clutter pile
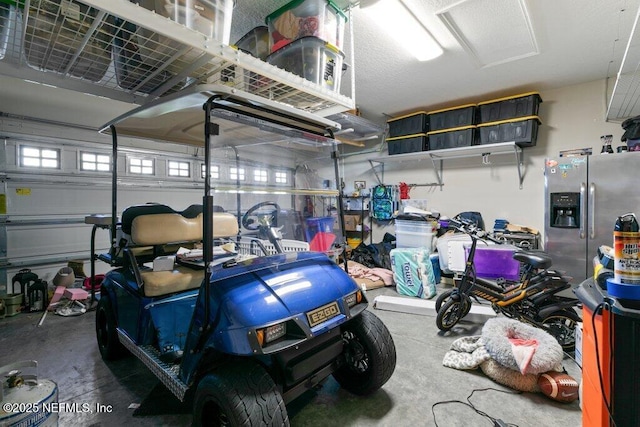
509	352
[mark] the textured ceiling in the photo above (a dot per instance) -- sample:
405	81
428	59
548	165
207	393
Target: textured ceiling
577	40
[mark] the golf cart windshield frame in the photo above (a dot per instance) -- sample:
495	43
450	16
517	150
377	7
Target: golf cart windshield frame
177	118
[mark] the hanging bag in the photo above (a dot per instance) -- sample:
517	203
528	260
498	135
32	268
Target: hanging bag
382	202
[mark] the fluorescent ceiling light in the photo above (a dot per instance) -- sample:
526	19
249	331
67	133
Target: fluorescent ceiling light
399	23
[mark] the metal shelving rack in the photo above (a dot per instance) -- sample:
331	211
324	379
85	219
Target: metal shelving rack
77	44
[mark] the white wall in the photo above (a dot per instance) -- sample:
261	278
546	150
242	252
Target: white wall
572	117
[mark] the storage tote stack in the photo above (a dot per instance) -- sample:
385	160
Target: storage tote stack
510	119
408	134
452	127
306	38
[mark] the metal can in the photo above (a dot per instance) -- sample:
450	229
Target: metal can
626	244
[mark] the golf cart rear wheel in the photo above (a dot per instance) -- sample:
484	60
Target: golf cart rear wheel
106	334
562	325
370	355
240	393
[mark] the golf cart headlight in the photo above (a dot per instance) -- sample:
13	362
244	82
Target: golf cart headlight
353	299
271	333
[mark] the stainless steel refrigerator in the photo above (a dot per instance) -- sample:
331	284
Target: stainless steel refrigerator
583	198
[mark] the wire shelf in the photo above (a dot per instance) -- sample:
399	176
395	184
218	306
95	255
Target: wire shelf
88	46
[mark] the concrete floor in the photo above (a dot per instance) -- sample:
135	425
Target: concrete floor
66	350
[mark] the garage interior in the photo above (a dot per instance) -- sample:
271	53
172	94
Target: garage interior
579	59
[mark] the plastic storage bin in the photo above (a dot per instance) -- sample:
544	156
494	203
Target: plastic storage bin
319	233
313	59
452	138
209	17
408	125
132	68
138	52
255	42
455	117
407	144
495	261
55	31
523	131
303	18
414	234
525	104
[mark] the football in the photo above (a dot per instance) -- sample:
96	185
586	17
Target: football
558	386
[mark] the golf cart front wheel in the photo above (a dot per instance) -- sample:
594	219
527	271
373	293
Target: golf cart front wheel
369	355
239	394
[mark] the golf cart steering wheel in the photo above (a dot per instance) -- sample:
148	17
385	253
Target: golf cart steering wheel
252	225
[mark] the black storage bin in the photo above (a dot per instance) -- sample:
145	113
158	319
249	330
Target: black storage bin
523	105
409	124
450	118
407	144
523	131
452	138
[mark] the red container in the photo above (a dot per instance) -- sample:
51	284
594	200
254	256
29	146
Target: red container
97	282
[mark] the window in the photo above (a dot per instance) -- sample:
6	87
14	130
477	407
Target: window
40	157
95	162
181	169
282	177
214	170
236	174
141	166
260	175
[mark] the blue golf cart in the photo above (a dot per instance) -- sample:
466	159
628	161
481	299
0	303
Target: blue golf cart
225	308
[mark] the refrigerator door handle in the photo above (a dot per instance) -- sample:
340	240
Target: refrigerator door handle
583	211
592	211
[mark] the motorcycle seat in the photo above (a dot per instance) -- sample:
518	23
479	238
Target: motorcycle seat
536	259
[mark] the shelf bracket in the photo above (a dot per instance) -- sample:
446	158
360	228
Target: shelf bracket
437	168
373	169
520	164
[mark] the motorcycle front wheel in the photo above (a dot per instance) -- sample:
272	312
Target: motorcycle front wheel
562	325
451	312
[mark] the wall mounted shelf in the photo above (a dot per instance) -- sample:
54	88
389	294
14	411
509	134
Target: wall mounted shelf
438	157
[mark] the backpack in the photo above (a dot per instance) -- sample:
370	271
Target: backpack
382	202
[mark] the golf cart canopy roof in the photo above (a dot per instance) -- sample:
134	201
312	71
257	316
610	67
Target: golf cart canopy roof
179	118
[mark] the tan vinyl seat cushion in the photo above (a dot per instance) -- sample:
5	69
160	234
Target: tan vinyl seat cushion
158	283
167	228
158	229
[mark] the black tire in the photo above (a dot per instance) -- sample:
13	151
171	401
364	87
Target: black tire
451	312
239	394
106	334
561	325
441	298
369	355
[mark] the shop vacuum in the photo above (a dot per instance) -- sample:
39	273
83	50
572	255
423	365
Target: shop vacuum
611	336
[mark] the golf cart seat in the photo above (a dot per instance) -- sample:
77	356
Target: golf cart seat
164	229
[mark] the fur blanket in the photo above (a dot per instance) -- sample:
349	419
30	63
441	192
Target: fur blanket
494	353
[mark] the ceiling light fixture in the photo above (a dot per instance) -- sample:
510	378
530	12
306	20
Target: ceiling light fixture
403	26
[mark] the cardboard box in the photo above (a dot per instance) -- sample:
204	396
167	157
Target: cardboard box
578	351
351	222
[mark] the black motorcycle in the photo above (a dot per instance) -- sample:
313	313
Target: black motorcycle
533	299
